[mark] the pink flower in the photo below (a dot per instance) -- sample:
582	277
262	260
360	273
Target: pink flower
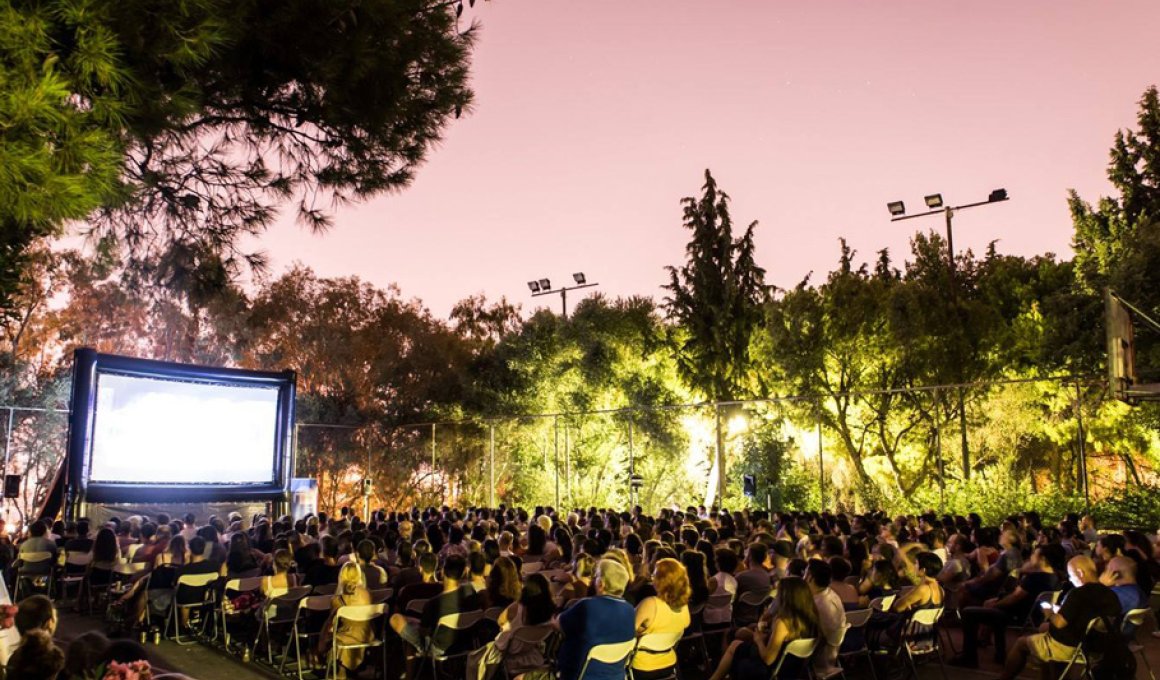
135	670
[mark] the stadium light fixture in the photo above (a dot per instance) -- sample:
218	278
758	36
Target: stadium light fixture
997	195
896	208
544	287
933	201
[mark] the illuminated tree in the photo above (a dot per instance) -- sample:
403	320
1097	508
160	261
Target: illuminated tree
715	301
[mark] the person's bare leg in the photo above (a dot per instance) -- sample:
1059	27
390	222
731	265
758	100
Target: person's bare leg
1016	659
726	661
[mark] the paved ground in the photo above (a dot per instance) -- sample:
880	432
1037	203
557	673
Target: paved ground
208	662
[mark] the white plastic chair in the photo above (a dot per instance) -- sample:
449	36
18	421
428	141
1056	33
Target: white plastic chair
459	623
359	614
801	649
308	622
34	566
613	653
205	581
237	586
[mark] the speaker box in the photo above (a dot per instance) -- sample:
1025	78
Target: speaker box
12	486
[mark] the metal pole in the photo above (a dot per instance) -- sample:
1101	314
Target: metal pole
631	465
491	466
567	466
966	449
1082	448
564	302
433	481
942	484
821	464
951	242
8	449
556	450
8	440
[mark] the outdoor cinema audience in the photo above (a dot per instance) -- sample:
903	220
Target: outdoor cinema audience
545	587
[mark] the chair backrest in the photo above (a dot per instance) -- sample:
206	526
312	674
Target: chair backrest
532	635
78	559
196	580
317	603
244	585
802	649
129	568
326	589
492	613
416	606
858	617
290	598
882	603
36	558
460	620
552	574
658	643
359	612
926	617
753	598
615	652
381	595
1135	617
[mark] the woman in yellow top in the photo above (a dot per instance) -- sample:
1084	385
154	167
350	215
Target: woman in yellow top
667	612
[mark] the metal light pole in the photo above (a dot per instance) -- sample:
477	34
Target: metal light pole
935	203
544	287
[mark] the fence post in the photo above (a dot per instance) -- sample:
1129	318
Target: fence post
491	465
1082	448
942	482
821	463
631	466
567	464
556	455
8	440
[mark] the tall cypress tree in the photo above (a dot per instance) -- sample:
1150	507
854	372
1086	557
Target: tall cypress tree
716	299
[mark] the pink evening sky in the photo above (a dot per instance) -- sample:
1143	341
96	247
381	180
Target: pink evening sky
594	117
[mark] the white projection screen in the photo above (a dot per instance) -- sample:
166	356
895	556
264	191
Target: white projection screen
163	431
151	431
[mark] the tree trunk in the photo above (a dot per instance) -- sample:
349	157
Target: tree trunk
720	459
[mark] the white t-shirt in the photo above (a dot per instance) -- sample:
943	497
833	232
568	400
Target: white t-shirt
832	621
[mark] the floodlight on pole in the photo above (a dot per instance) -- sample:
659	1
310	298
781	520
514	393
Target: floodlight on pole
935	203
544	287
896	208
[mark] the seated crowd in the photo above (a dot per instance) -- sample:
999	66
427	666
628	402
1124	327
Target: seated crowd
599	577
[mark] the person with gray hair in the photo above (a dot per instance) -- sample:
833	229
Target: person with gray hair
600	620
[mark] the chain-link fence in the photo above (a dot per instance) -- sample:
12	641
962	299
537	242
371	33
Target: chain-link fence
35	441
1050	444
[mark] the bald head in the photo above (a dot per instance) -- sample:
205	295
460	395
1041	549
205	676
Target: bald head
1081	570
1120	571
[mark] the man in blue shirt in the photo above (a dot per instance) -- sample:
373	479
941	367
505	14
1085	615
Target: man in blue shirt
601	620
1120	576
